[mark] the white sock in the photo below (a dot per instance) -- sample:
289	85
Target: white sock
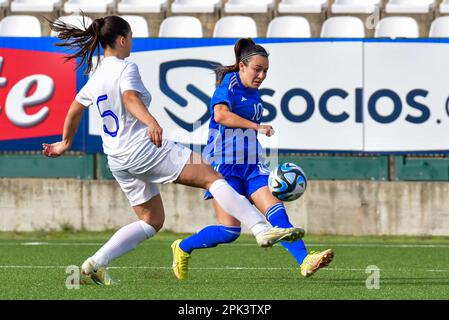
238	206
124	240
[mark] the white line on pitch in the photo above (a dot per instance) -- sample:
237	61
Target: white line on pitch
169	268
193	268
51	243
356	245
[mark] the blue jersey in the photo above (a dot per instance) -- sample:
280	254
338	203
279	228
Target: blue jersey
229	145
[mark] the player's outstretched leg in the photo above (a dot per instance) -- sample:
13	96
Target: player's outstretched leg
208	237
198	174
212	236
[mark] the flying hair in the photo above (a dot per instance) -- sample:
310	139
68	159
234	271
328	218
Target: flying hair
85	41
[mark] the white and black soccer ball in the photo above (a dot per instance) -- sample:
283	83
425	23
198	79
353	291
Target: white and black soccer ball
287	182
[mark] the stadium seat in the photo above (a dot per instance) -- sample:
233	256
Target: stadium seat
343	27
74	20
302	6
289	27
142	6
444	6
356	6
235	27
181	27
88	6
139	26
249	6
195	6
397	27
20	26
439	28
409	6
4	7
35	5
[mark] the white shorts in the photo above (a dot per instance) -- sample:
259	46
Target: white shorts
140	184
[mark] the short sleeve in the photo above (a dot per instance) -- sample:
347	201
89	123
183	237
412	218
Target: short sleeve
84	97
221	96
131	80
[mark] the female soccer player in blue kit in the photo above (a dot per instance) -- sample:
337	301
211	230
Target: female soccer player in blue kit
234	151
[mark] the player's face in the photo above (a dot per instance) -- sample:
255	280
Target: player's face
253	74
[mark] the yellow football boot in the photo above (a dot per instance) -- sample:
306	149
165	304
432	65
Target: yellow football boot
180	264
316	260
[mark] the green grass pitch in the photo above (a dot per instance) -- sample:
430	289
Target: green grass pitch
409	268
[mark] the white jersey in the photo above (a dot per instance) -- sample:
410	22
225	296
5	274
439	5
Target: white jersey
125	138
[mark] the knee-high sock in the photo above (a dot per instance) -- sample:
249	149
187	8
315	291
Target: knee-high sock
238	206
278	217
124	240
209	237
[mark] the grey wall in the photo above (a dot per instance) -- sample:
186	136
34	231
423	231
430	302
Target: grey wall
331	207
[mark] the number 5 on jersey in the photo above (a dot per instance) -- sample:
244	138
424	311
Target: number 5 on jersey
106	116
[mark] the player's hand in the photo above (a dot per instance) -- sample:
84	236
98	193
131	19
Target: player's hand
265	129
155	134
54	150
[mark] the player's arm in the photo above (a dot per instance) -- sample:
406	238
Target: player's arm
137	108
226	117
71	123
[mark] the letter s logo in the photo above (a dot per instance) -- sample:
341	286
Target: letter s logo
165	88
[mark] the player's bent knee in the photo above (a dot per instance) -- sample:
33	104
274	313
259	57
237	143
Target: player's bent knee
157	222
158	226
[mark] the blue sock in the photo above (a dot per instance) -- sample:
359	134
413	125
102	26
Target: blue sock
209	237
277	216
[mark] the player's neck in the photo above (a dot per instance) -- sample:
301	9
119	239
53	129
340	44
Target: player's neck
242	80
114	53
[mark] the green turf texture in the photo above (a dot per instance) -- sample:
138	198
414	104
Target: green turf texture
410	268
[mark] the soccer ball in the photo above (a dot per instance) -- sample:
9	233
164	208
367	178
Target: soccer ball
287	182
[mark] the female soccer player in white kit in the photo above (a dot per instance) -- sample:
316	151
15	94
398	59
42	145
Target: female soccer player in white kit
138	156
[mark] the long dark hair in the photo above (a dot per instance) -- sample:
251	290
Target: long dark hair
102	31
244	49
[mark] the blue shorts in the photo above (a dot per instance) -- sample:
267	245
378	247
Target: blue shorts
244	178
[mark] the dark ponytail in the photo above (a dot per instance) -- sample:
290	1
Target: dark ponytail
85	41
244	49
